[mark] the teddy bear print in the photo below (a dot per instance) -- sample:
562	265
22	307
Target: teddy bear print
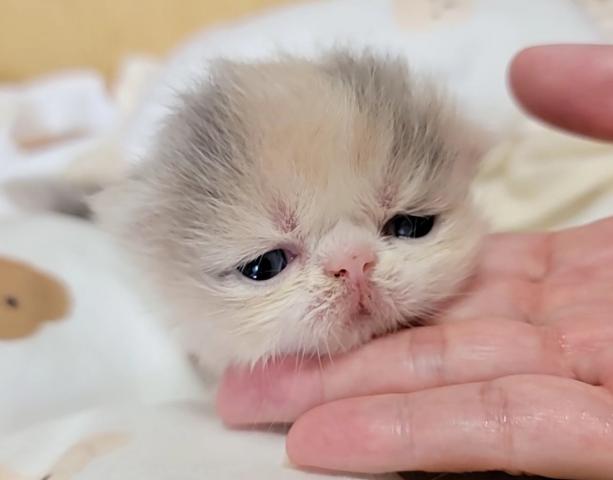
76	458
28	299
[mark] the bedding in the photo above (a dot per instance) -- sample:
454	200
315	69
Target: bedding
98	390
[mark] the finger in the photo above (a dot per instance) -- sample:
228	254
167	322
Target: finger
570	86
410	360
540	425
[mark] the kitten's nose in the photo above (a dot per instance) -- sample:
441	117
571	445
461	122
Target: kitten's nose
353	263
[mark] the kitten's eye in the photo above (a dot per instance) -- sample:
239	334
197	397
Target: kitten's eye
266	266
409	226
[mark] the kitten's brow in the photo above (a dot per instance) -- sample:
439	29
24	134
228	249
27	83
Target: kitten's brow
285	217
385	91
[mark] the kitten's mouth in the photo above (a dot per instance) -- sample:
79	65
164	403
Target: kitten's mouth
364	301
362	306
363	310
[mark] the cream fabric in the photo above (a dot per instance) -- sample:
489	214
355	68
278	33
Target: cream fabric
541	178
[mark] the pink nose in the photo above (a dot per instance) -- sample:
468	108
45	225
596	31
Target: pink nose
353	263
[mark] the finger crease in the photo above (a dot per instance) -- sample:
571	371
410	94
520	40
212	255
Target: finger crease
405	428
554	340
548	245
539	279
495	402
427	348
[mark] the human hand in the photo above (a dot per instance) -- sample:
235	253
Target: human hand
518	376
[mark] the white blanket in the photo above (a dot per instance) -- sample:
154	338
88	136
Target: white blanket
103	392
95	395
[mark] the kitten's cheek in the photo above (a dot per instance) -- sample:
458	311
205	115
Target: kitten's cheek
271	394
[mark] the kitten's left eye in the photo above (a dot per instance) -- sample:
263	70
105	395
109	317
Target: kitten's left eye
265	266
409	226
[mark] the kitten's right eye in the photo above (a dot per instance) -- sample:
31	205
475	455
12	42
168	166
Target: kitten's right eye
265	266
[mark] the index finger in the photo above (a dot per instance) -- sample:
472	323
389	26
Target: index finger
569	86
418	359
411	360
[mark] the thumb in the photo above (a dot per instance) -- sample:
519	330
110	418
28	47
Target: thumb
569	86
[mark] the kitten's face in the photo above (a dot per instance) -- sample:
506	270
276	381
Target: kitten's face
303	207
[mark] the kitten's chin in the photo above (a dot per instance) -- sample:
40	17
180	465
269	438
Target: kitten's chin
364	326
357	331
347	336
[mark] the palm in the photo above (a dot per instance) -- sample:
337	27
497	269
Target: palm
562	280
562	283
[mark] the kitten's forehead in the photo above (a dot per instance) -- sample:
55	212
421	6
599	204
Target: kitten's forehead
342	136
344	114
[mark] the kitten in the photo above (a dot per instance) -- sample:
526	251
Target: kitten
301	206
